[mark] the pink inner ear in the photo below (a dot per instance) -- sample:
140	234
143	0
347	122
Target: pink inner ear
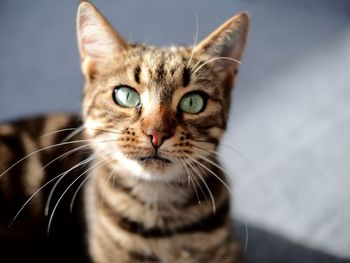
88	44
98	39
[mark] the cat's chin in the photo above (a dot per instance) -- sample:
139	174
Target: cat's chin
150	168
154	161
154	170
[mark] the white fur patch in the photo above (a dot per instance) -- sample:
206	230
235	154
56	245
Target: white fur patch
150	103
133	167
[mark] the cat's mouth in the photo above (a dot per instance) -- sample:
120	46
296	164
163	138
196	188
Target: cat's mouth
154	159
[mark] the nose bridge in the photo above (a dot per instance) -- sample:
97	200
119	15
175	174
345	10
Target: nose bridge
159	126
160	119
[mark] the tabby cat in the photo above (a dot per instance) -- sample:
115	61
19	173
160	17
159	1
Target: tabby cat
137	180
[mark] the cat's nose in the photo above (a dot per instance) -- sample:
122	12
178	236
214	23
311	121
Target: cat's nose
157	137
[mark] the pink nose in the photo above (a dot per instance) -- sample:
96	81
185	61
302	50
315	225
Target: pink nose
157	137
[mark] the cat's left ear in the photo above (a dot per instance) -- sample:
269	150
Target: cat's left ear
98	41
227	42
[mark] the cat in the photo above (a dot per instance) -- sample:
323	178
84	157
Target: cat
137	179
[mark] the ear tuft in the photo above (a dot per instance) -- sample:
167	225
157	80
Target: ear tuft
97	40
228	40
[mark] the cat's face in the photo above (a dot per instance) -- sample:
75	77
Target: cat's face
157	112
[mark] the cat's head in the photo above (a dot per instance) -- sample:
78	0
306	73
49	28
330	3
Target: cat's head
157	112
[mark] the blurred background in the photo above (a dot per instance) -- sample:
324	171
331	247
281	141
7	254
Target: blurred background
287	149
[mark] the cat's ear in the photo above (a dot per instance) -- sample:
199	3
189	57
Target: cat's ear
227	41
97	39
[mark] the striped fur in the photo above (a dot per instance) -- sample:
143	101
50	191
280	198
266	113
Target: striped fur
26	240
141	202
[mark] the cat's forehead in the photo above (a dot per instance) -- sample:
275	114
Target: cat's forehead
171	55
162	64
158	70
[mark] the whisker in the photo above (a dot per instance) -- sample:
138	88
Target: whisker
246	237
194	186
198	67
104	130
195	40
65	191
47	183
240	155
246	241
57	131
43	149
48	201
78	189
30	198
245	159
74	133
204	182
197	172
183	172
64	155
112	173
114	176
212	163
76	193
210	171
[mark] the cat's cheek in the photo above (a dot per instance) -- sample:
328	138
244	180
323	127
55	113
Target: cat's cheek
89	127
216	132
131	167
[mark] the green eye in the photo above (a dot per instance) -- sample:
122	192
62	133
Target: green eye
192	103
126	97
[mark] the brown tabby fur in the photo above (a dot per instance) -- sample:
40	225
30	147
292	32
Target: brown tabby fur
132	209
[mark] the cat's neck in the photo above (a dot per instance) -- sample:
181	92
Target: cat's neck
153	194
107	185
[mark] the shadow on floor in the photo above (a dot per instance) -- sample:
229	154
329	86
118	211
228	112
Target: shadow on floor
266	247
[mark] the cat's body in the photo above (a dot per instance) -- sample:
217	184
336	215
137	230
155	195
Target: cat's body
145	155
26	240
149	218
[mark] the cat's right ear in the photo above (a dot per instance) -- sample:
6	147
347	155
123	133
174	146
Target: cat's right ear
97	39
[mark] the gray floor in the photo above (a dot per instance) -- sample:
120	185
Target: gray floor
287	147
